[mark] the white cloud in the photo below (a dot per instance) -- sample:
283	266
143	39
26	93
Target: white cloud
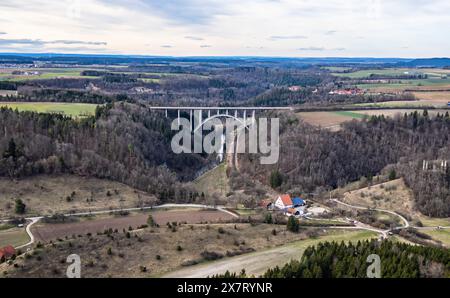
378	28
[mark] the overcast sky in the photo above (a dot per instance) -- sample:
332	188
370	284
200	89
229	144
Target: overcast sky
293	28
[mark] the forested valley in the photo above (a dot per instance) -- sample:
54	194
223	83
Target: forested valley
315	160
122	142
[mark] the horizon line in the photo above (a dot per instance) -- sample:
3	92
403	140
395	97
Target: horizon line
216	56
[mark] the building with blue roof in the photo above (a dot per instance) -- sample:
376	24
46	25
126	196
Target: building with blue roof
298	202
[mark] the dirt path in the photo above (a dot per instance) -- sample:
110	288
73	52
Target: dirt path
258	262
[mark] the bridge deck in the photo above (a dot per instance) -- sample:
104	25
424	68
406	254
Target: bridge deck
222	108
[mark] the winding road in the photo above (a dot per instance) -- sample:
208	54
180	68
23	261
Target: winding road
34	220
405	221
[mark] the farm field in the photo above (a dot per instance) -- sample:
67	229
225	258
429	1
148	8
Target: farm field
368	72
328	120
13	236
333	119
258	262
8	93
421	84
433	73
44	74
394	112
47	195
46	232
433	98
69	109
336	68
162	250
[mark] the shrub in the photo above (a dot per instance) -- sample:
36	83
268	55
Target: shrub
151	221
211	255
293	224
20	207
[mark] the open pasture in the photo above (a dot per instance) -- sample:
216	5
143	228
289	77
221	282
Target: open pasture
69	109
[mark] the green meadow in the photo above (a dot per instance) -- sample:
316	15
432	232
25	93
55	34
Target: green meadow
69	109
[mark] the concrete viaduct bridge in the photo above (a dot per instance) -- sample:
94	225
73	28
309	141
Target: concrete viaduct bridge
216	112
244	115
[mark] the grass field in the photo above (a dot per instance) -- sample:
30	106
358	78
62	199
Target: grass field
69	109
46	195
441	235
13	236
328	120
44	73
368	72
353	115
434	222
8	93
214	181
258	262
332	120
430	83
146	80
336	68
160	250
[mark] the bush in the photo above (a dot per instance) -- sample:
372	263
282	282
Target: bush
211	255
268	218
151	221
20	207
179	248
276	179
392	175
293	224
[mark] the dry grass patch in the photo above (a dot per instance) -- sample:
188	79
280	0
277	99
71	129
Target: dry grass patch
46	195
393	195
152	251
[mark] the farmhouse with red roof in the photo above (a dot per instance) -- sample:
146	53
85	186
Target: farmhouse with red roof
284	202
